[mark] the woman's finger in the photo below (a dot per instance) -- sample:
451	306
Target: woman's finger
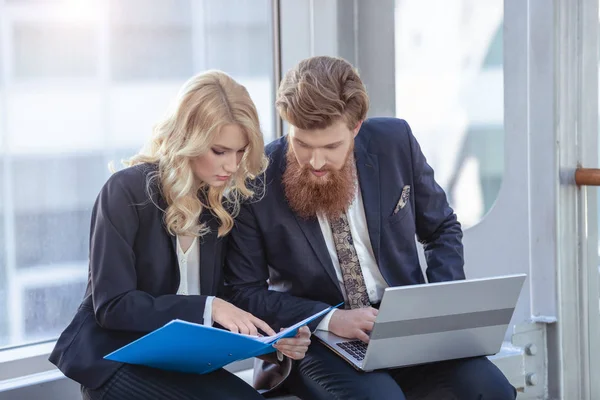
242	327
292	344
303	332
291	350
231	327
251	328
301	342
262	325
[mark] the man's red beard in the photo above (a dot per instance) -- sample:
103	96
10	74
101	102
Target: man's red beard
309	195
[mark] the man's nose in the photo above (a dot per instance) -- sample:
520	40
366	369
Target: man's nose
317	161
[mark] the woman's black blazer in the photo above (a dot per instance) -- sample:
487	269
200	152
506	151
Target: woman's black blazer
133	277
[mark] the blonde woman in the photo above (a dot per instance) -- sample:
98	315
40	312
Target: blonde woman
158	234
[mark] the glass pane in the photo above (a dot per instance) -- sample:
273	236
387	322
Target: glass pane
3	257
151	42
239	43
449	87
51	50
59	136
55	211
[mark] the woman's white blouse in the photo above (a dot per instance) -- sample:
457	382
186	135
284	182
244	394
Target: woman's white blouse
189	272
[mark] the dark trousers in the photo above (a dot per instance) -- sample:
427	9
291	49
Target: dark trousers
132	382
324	375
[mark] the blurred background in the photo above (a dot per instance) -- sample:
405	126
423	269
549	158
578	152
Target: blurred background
83	82
502	95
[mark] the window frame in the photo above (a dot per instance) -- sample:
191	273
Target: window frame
25	370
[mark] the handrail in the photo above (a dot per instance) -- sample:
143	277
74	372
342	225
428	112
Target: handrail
587	177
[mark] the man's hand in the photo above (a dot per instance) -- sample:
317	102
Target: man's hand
237	320
353	324
296	347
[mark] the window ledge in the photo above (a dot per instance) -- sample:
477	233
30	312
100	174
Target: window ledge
30	380
23	361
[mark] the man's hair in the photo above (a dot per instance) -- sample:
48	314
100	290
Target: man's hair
321	90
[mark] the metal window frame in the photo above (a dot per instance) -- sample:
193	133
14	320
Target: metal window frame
277	74
576	337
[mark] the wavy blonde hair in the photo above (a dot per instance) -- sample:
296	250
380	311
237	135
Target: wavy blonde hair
206	103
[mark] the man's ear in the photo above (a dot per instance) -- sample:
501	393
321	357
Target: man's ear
357	128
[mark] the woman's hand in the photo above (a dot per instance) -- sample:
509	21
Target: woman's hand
237	320
296	347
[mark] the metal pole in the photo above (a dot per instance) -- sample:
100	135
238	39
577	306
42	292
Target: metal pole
276	17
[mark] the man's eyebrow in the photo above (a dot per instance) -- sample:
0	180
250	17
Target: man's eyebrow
300	141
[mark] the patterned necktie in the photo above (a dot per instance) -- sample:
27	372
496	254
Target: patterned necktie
354	282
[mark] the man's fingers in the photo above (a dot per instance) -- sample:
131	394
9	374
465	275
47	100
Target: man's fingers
370	317
362	336
367	326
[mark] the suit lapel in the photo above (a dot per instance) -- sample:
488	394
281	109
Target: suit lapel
162	204
367	166
174	244
207	249
311	229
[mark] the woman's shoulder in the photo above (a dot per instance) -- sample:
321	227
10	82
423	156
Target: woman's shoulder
134	175
137	180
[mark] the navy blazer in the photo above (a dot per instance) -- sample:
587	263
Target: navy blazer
133	277
269	245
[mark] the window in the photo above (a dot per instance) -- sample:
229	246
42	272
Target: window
53	50
494	56
3	258
55	211
449	87
238	42
151	41
58	135
480	148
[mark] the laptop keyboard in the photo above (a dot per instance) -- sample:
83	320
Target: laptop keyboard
356	348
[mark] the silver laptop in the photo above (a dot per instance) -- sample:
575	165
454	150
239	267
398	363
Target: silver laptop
433	322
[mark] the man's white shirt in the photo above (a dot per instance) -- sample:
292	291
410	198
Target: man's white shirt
362	243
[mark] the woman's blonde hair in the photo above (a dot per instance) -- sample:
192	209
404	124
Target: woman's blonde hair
205	104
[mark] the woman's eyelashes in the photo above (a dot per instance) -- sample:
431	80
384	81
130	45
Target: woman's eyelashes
222	152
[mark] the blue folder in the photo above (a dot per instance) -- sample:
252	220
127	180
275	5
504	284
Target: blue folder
188	347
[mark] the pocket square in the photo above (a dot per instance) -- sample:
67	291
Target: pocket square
403	199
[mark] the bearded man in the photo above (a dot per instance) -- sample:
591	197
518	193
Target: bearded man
345	197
